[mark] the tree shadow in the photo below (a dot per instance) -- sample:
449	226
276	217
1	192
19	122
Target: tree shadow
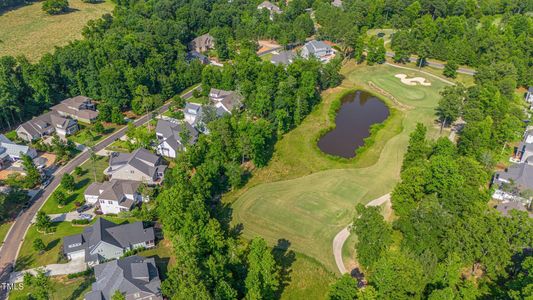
87	281
23	262
82	183
51	245
284	258
162	265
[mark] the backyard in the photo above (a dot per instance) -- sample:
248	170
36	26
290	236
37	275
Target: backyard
90	169
304	196
62	288
29	31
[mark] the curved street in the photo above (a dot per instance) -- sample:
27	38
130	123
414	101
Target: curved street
13	241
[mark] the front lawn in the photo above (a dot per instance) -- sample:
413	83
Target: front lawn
90	169
88	137
118	146
4	228
62	288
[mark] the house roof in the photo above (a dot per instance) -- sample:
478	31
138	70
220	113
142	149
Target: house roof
229	99
316	46
39	125
130	275
192	107
8	148
336	3
284	57
203	41
93	189
530	89
506	207
76	106
116	190
197	55
140	159
102	230
270	6
520	174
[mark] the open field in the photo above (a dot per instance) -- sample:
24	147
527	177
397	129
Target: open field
29	31
82	182
305	197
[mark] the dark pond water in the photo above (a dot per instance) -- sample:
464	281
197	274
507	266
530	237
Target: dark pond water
357	113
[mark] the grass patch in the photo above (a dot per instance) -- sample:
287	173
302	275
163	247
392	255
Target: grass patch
118	146
4	228
63	288
82	182
308	279
266	57
305	197
88	137
29	31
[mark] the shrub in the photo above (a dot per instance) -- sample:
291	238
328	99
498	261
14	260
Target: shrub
80	222
80	274
38	245
55	7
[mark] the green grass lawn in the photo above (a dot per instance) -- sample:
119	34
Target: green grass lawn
4	228
62	288
29	31
118	146
305	197
88	137
82	182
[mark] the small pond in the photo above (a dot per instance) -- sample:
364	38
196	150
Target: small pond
358	111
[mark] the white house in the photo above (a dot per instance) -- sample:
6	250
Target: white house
114	196
225	101
140	165
192	113
318	49
170	134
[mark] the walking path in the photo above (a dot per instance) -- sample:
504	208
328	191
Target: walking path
342	236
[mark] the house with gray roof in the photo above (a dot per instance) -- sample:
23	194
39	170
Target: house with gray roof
135	277
505	208
105	240
283	58
337	3
529	95
271	7
513	182
79	108
10	152
225	101
170	134
114	196
192	113
46	124
194	55
202	43
319	50
525	148
140	165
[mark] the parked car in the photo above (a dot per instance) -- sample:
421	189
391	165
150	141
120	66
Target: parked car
47	182
83	208
85	217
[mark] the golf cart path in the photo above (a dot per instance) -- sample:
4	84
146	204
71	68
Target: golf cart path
342	236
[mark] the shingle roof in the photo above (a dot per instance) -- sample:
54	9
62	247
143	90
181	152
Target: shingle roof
506	207
116	190
203	41
122	236
123	275
315	46
520	174
140	159
230	99
284	57
270	6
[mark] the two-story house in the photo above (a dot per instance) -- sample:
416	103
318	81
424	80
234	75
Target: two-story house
105	240
202	43
46	124
79	108
140	165
170	135
225	101
114	196
271	7
135	277
318	49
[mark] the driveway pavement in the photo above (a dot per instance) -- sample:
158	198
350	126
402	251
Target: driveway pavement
72	215
73	266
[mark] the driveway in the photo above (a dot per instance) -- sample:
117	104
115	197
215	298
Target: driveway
15	237
74	266
72	215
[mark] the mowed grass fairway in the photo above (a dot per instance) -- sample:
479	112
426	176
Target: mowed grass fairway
305	197
29	31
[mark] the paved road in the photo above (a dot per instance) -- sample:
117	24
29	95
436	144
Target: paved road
437	65
15	237
342	236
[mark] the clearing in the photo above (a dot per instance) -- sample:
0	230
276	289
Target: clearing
305	197
29	31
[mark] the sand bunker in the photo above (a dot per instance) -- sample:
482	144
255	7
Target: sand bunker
412	81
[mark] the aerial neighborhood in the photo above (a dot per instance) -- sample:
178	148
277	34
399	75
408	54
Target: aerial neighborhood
301	149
